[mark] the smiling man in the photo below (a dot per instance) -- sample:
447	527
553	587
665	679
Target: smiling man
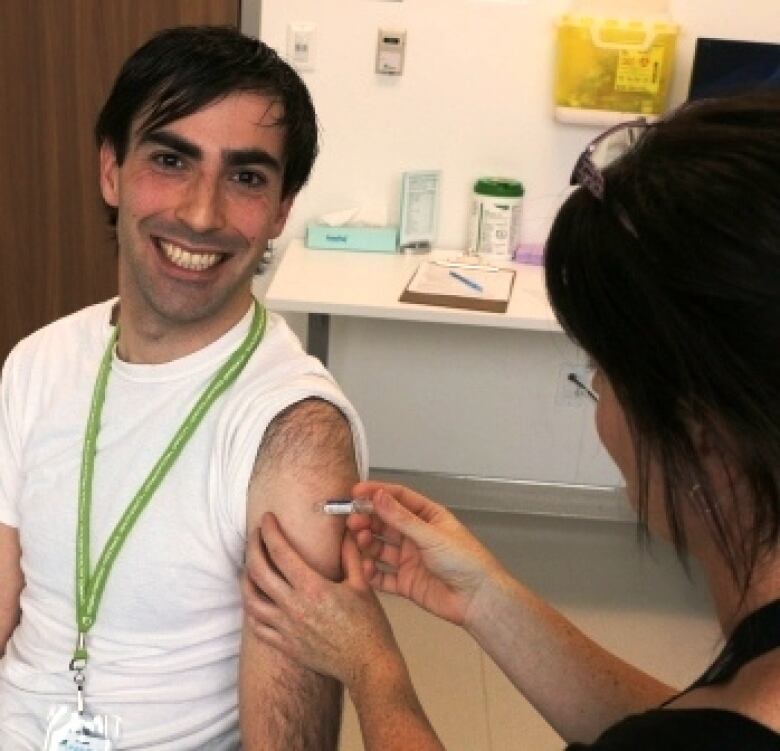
142	439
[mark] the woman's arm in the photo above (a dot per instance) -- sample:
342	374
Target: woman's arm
417	549
580	688
577	686
337	629
390	715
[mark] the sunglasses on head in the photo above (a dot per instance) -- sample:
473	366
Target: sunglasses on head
599	154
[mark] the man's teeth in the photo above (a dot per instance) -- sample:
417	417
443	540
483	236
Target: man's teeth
186	260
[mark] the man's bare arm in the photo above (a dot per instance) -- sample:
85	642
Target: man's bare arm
11	582
306	456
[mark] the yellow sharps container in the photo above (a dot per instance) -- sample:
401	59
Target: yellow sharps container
608	69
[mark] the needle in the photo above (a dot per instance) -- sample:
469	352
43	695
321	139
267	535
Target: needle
343	506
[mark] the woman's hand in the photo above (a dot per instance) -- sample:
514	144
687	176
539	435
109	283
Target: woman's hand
416	548
335	628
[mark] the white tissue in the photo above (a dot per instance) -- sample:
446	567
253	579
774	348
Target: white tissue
357	216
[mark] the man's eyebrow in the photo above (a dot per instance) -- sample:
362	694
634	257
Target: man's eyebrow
230	157
172	141
243	157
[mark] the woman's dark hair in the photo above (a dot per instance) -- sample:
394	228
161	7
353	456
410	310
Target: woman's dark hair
181	70
684	317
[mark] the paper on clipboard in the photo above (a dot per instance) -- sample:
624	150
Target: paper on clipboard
435	284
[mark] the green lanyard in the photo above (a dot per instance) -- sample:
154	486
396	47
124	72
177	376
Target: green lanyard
89	588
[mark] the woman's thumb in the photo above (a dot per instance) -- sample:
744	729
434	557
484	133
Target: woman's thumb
395	515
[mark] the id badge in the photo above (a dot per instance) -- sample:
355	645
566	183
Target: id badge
70	730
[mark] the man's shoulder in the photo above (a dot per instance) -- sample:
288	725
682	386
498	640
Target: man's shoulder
285	386
71	332
280	359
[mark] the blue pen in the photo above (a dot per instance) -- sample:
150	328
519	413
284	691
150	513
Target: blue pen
468	282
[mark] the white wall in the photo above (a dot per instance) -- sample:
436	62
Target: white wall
475	97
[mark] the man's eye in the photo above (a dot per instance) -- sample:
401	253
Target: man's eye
250	178
168	161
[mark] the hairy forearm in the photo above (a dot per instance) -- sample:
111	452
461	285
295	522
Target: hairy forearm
390	715
579	687
284	707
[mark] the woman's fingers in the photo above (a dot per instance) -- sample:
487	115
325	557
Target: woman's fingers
375	528
257	605
269	635
378	550
352	562
402	522
281	554
369	523
263	573
415	502
369	570
385	581
364	538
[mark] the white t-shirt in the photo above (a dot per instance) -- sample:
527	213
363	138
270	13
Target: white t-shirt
163	652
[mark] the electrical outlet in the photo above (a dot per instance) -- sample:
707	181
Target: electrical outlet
568	393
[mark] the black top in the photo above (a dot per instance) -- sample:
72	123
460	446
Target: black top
704	729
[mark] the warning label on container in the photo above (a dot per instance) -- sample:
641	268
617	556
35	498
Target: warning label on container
639	71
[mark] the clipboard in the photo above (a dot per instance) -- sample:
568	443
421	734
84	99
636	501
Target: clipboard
450	285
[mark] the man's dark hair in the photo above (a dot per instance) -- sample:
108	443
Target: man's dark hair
181	70
684	316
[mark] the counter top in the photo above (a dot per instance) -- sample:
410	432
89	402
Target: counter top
343	283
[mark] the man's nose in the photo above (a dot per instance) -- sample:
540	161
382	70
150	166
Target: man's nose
202	207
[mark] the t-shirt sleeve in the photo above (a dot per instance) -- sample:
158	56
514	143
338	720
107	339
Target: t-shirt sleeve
10	459
241	437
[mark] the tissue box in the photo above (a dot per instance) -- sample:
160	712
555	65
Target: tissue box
367	239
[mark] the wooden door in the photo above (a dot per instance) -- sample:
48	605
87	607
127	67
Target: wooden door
58	59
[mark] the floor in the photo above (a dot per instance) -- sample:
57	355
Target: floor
638	603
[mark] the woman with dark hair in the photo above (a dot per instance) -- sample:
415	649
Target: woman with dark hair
664	266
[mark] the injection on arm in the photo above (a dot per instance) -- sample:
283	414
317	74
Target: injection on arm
343	506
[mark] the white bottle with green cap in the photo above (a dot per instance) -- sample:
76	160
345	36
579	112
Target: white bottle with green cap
494	226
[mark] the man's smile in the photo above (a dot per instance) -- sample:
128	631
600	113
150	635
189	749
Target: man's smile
186	259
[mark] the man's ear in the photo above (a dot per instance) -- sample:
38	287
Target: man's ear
109	174
281	217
